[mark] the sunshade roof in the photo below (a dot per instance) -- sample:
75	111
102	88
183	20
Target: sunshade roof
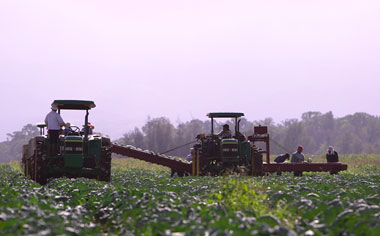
224	114
41	125
74	104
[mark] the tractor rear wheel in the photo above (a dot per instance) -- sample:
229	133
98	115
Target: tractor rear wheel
105	164
35	167
38	164
41	170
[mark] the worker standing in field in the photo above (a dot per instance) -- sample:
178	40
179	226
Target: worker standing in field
53	121
332	155
298	157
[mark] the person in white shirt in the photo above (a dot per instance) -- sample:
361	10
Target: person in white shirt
190	156
53	121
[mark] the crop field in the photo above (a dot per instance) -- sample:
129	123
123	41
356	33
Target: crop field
142	199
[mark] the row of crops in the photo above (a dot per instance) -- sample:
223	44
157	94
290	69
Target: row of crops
145	202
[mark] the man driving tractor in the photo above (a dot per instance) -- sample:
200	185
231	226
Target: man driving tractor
226	132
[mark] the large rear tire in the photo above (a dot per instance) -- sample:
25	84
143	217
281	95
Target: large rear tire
105	164
40	164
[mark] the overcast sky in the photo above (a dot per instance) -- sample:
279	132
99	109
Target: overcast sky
182	59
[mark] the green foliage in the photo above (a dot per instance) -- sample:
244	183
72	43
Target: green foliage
27	208
130	163
325	204
143	200
159	132
159	135
12	149
243	194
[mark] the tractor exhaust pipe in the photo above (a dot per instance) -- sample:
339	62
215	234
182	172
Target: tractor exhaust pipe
86	126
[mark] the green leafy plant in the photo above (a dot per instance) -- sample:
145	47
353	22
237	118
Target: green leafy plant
144	200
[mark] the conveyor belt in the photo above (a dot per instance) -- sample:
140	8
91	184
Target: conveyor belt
176	164
183	166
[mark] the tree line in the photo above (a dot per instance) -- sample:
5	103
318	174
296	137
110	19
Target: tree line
351	134
11	149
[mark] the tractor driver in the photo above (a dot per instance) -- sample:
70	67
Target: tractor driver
67	129
225	133
53	121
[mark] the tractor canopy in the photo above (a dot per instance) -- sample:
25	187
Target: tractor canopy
74	104
225	114
41	125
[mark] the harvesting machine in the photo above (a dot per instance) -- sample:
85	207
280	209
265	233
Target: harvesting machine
82	154
213	155
79	154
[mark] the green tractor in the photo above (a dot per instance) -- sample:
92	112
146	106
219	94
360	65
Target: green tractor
214	155
79	153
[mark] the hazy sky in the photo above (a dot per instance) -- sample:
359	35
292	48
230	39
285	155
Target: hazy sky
182	59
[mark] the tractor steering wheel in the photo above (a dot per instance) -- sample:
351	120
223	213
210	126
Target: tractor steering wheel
74	130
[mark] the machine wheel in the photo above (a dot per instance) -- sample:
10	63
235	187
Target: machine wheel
41	170
29	168
34	165
257	167
28	171
105	164
38	164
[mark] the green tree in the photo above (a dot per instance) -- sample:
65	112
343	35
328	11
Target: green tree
159	134
357	133
11	149
135	138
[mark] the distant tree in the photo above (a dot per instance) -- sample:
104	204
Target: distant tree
185	133
246	127
135	138
12	148
266	122
328	126
139	139
294	134
159	134
310	116
357	133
